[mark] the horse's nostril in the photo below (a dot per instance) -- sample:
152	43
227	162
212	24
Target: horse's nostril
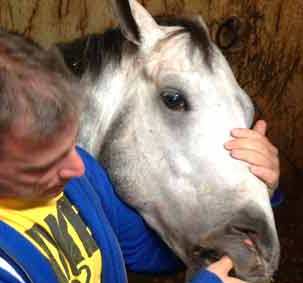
248	242
250	237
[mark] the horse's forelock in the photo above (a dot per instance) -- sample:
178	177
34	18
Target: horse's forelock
198	34
94	52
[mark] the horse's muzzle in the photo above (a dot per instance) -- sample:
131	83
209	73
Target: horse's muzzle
249	240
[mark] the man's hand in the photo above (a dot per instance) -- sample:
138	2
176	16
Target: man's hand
252	146
221	268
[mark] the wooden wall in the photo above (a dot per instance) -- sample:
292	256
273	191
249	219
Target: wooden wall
263	41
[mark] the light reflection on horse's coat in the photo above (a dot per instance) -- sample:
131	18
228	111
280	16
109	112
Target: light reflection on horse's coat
160	104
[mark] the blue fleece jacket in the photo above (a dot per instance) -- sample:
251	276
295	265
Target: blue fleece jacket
120	233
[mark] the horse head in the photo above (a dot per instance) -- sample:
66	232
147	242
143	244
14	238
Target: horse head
161	102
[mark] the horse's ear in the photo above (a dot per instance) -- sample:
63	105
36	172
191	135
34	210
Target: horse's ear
201	21
137	25
129	27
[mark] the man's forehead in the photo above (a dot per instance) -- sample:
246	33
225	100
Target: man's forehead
17	139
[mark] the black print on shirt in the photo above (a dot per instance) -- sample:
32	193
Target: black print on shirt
69	253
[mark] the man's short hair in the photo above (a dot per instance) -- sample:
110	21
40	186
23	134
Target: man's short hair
36	89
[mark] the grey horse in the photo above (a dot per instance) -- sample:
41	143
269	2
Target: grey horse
161	101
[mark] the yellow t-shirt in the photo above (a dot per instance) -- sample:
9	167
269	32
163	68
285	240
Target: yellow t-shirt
59	233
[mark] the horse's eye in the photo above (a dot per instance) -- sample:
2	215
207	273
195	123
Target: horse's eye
174	100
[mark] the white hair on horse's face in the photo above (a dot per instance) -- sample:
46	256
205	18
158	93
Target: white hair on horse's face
158	118
215	105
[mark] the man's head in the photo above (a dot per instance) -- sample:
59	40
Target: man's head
39	113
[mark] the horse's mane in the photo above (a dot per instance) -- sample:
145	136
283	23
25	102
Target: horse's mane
93	52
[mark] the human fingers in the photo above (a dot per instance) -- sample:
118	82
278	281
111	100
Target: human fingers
269	177
256	158
233	280
267	168
260	145
260	127
221	267
248	135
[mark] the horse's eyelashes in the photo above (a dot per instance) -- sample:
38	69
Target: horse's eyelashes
174	100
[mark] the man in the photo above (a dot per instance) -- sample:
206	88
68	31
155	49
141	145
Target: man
60	218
